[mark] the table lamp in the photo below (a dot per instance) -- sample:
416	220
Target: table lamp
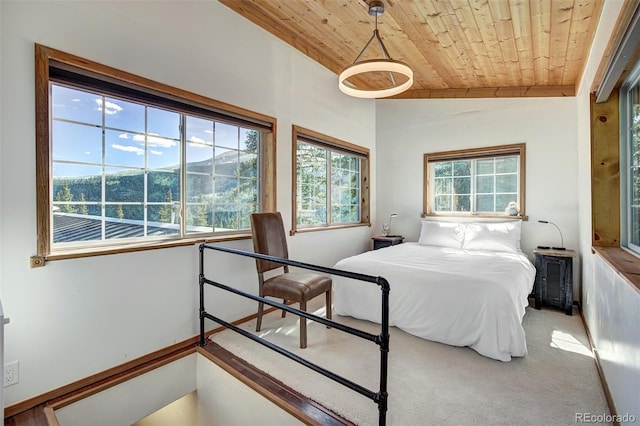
561	238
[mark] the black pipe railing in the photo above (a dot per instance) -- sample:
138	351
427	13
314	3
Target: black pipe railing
382	340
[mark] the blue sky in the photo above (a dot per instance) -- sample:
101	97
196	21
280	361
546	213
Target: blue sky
125	137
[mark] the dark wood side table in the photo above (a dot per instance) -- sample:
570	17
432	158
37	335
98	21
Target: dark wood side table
554	279
389	240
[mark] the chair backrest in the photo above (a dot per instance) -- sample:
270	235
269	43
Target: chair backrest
268	238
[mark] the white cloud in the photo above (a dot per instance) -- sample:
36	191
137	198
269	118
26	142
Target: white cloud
193	144
110	108
77	100
123	136
134	149
209	131
196	139
154	140
154	152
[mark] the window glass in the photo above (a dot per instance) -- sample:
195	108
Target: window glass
345	188
222	180
78	142
312	167
329	175
122	115
76	105
476	182
630	111
122	179
484	184
163	126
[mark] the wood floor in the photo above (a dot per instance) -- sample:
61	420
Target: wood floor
298	405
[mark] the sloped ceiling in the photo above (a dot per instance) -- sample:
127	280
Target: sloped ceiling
456	48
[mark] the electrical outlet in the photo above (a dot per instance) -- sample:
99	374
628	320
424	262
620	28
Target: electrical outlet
11	373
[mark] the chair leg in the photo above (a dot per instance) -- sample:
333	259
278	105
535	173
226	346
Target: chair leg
328	307
303	325
259	320
284	313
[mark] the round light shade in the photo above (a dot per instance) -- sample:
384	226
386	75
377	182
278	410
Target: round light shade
377	65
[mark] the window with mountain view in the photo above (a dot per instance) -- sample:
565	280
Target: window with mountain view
331	182
118	170
484	181
131	164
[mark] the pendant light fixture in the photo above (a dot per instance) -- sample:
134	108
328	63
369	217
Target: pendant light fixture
384	65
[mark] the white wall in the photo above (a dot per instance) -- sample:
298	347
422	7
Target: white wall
611	306
112	406
407	129
74	318
612	311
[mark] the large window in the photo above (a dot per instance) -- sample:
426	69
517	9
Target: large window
486	181
129	161
630	160
331	182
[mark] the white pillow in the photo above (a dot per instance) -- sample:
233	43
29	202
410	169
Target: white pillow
493	236
442	234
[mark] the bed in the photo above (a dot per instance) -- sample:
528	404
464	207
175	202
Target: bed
462	284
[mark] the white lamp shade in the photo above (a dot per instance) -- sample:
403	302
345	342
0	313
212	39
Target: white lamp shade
378	65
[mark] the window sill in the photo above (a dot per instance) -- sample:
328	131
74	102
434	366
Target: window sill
474	216
326	228
626	264
38	261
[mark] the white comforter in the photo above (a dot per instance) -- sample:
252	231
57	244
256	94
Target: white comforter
453	296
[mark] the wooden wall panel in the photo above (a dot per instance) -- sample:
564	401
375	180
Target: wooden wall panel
605	172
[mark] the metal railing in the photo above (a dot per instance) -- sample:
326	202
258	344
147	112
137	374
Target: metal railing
382	340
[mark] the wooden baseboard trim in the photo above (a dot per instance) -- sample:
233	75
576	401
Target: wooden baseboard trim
603	379
118	378
99	379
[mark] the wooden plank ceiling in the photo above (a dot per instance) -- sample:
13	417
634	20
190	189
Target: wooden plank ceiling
456	48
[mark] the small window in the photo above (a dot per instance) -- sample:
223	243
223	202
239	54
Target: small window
630	160
130	161
331	182
480	182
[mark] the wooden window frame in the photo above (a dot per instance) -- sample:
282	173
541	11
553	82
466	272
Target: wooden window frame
628	93
472	154
45	57
329	143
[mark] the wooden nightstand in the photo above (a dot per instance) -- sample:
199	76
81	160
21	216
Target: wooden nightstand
390	240
554	279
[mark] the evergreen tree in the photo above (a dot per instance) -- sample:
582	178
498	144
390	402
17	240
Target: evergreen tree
64	194
249	165
82	208
199	213
166	210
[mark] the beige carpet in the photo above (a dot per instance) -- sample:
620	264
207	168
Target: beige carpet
432	383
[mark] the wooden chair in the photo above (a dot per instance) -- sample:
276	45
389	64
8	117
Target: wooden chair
269	238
